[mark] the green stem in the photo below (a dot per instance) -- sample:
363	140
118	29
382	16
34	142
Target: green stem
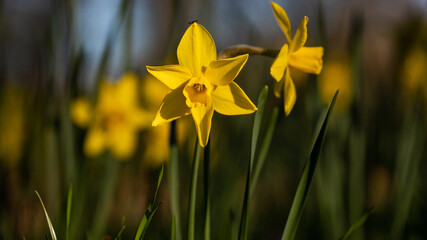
106	197
174	183
206	165
193	191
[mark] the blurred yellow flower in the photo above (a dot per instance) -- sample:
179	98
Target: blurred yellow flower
336	75
414	73
201	84
114	121
12	126
293	55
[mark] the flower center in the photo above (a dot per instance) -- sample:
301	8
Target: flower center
197	92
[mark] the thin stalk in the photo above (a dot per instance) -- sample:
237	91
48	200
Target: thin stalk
193	191
206	168
174	183
106	197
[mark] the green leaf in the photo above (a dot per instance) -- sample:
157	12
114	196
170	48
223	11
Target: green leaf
119	235
69	201
149	213
49	223
357	224
193	191
244	219
306	179
264	147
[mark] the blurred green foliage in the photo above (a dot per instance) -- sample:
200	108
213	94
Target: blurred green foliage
54	51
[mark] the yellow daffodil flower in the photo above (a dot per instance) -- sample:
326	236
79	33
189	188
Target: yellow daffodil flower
293	54
12	125
337	74
200	83
114	121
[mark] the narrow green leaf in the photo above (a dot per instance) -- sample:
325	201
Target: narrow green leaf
244	219
49	223
357	224
264	147
193	191
262	99
149	213
173	228
306	179
119	235
69	202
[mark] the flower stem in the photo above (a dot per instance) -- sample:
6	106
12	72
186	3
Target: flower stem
193	191
173	183
247	49
206	168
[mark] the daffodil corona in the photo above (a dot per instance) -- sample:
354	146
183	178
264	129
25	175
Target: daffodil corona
293	54
200	83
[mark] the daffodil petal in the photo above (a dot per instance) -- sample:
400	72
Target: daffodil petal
283	20
203	118
125	90
172	107
80	111
277	69
94	143
307	59
278	88
196	49
290	93
300	36
224	71
232	100
171	75
122	142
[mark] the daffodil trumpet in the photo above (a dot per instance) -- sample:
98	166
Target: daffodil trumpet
201	84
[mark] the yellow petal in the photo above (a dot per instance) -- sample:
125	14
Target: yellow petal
224	71
202	118
278	88
196	49
283	20
307	59
277	69
171	75
300	36
122	142
232	100
290	94
172	107
94	143
80	111
126	90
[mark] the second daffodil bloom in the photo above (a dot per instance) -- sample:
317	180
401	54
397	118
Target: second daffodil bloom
200	83
293	54
115	120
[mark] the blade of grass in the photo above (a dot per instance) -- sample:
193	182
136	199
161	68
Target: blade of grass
69	202
119	235
264	147
306	179
206	168
174	183
244	219
49	223
357	224
193	191
149	213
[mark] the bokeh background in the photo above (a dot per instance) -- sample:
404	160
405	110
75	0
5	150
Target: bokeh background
53	53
